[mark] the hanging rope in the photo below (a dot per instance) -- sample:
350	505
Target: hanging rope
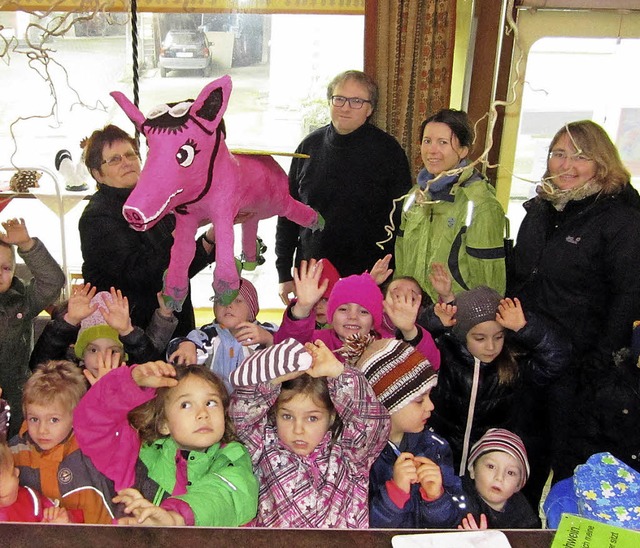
134	54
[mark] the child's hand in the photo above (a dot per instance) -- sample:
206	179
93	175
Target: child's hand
144	512
154	374
441	281
186	354
429	477
402	310
250	333
325	363
55	514
446	313
16	233
381	271
163	310
510	314
106	362
117	313
469	522
79	305
404	472
308	287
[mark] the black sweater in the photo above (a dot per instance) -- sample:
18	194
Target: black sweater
351	180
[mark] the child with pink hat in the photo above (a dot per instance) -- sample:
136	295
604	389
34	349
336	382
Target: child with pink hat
355	309
234	335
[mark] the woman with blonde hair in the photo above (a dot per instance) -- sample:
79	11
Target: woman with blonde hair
577	262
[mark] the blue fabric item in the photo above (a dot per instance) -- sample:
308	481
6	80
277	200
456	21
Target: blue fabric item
609	491
228	356
440	189
561	499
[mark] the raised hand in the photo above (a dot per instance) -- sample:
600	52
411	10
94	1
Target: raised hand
250	333
117	313
285	289
325	363
16	233
163	309
381	271
429	477
404	472
510	314
79	305
106	362
446	313
154	374
402	309
186	354
441	281
309	288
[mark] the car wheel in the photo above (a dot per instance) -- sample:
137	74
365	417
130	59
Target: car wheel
163	72
207	72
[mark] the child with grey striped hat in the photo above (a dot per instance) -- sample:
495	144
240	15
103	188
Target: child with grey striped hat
313	427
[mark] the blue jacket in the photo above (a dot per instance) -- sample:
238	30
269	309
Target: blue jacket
417	513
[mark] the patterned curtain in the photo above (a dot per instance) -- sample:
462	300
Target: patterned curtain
414	42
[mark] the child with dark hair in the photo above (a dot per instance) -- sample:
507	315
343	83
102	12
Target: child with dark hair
496	366
412	483
164	436
498	469
20	303
314	428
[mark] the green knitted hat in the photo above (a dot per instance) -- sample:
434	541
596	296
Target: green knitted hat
94	326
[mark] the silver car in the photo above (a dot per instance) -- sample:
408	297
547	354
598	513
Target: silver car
185	50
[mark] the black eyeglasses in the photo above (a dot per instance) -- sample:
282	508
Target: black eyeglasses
354	102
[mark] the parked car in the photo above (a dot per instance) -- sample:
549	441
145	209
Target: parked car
185	50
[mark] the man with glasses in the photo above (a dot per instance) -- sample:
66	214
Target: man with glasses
353	173
114	254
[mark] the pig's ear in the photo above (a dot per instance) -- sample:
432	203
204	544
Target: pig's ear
212	103
129	109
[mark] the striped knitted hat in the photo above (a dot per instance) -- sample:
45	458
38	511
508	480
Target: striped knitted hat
95	326
271	363
397	372
250	295
499	439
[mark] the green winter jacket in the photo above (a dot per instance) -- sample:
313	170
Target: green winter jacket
466	234
222	488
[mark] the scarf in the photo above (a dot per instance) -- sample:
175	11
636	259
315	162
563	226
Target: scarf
560	198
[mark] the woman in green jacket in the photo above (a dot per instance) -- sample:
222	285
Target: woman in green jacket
452	216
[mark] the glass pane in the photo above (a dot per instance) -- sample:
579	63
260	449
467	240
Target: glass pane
570	79
280	66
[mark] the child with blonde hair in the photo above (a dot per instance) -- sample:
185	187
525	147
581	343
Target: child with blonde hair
20	303
314	428
163	434
46	449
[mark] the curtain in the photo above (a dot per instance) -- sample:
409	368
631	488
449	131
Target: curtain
413	63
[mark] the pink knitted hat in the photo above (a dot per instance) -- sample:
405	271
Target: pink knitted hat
250	295
361	290
94	326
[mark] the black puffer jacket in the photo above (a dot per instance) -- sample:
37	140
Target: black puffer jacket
580	267
541	356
